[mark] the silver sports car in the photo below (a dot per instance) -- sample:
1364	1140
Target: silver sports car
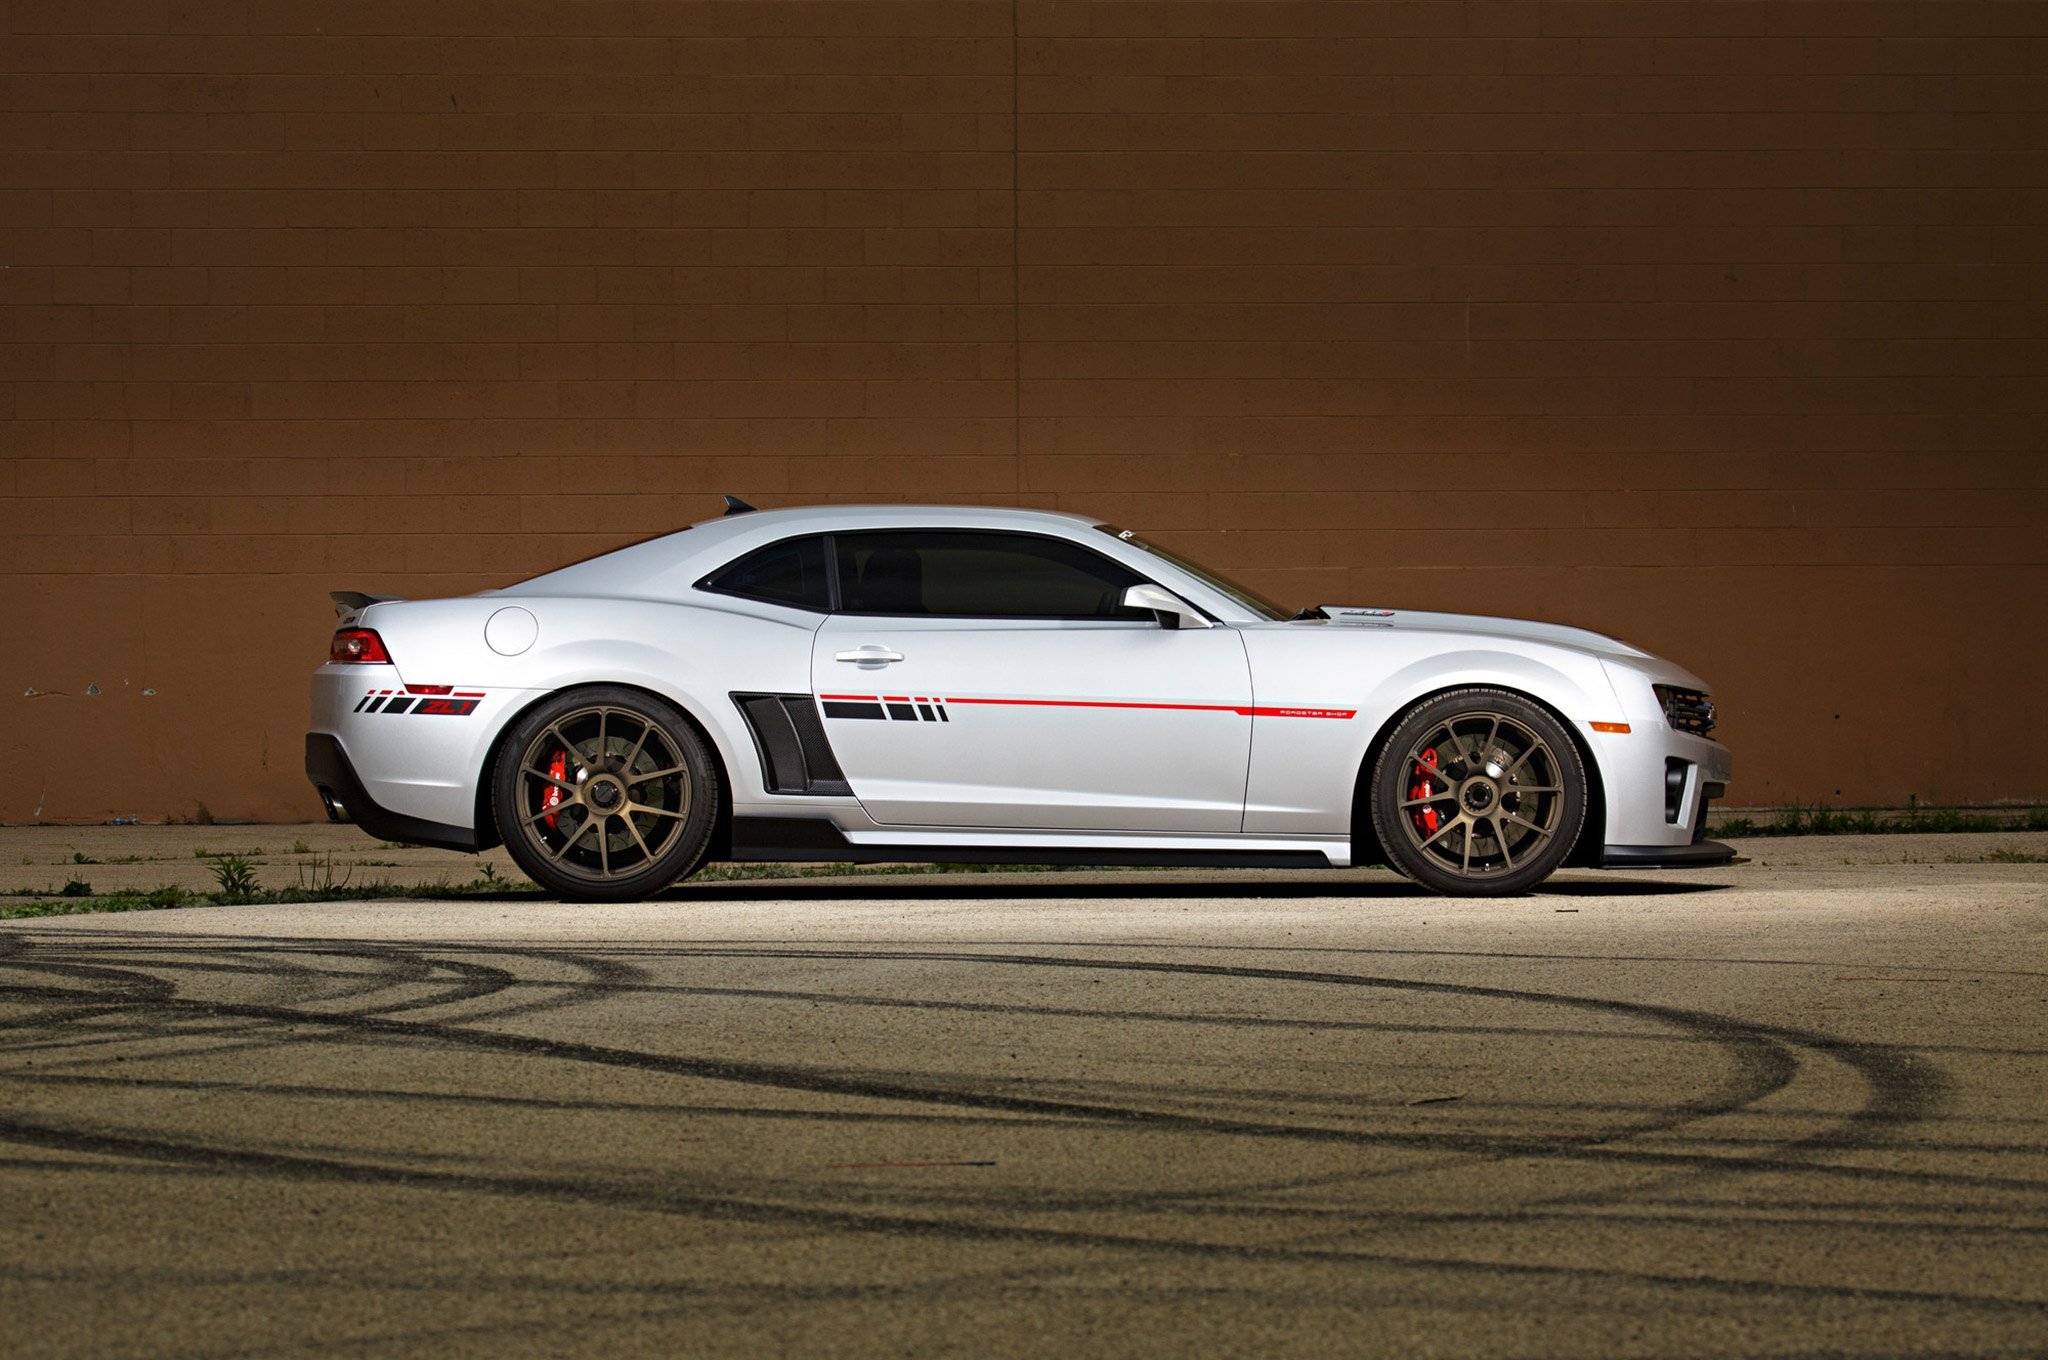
917	683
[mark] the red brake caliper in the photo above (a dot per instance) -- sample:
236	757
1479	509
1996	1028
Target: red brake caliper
1423	787
558	768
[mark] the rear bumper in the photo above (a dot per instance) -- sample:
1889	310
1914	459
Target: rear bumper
327	765
1698	855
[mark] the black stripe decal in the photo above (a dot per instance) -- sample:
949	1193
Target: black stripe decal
835	709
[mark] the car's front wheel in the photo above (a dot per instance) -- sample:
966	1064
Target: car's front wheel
1478	792
605	794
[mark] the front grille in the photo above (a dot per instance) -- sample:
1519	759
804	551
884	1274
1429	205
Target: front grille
1687	710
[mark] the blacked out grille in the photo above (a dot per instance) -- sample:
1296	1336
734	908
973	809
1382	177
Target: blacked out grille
1687	710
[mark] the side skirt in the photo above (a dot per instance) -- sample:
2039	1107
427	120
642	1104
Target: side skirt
817	838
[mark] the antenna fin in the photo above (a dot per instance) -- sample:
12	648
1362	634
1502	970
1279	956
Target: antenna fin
735	506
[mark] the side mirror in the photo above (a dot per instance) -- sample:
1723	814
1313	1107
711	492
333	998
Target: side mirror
1170	609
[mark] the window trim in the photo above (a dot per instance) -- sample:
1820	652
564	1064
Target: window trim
836	601
839	601
703	582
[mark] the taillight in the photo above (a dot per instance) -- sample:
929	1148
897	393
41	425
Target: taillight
359	647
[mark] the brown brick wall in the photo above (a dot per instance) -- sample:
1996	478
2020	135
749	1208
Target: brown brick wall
1720	326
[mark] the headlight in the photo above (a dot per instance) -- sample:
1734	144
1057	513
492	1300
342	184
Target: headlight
1687	710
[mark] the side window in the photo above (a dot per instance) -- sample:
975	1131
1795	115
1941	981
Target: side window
980	575
790	573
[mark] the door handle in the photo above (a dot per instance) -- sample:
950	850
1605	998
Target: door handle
870	656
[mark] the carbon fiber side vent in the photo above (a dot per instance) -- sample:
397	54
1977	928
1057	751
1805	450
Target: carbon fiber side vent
795	757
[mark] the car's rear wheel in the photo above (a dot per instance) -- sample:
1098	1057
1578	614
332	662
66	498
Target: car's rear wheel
605	794
1478	792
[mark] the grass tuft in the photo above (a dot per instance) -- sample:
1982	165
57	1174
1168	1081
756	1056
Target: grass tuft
1914	820
68	903
236	877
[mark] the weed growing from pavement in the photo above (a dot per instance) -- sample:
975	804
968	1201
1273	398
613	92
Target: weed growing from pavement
1915	820
318	875
236	877
320	886
152	899
2002	855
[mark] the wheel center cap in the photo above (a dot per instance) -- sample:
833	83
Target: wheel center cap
604	794
1477	796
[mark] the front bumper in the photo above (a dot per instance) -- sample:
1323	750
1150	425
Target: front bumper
1658	781
1698	855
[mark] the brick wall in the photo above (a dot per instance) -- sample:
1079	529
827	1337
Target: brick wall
1719	326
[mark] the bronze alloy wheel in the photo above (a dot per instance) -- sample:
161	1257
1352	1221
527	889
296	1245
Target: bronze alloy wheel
605	794
1478	792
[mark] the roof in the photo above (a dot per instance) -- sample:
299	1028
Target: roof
666	567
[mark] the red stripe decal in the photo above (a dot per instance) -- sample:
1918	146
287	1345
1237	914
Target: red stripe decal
1100	703
469	694
854	698
1241	710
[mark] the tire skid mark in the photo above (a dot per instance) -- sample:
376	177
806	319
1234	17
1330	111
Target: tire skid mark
1366	951
530	1102
860	1000
401	967
289	943
738	1210
823	1083
1898	1096
1897	1101
410	967
603	978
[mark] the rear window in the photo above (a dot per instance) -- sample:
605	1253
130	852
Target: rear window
791	573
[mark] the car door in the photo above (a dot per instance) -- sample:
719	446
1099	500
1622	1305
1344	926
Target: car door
976	678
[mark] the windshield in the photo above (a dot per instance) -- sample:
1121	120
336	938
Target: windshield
1250	599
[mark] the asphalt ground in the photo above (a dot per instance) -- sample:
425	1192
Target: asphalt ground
1794	1107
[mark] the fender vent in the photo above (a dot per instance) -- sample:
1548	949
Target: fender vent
795	757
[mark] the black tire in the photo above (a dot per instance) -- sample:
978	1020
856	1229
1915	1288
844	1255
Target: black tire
1478	793
605	794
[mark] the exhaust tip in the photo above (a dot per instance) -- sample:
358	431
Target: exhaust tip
335	811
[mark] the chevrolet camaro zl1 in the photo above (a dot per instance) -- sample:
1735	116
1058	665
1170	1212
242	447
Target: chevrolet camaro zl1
900	683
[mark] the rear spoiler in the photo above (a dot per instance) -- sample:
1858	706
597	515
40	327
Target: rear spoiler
347	602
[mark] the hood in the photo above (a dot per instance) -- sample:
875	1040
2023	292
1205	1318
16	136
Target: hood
1423	621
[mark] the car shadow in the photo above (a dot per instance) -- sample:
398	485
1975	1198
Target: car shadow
889	888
